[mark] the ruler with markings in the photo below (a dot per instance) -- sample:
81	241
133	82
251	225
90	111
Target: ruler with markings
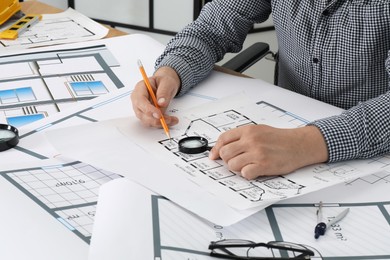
12	32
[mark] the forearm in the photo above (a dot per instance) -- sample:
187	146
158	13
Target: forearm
311	147
360	132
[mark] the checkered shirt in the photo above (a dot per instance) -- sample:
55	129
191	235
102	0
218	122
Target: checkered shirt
336	51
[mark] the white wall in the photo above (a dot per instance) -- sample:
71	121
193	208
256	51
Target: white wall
173	15
170	15
133	12
62	4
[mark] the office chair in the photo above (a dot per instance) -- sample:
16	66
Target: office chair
250	56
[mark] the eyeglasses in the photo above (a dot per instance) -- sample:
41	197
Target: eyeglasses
245	249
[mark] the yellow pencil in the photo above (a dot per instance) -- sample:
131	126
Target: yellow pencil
151	93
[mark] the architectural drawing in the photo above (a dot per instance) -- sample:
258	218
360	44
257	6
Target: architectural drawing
251	192
68	192
35	85
211	127
383	176
168	230
175	238
59	28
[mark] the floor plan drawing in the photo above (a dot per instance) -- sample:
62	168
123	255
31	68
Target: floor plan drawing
378	177
65	27
211	127
216	124
279	222
215	176
66	191
35	85
167	229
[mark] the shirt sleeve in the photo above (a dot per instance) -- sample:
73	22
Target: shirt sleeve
221	27
360	132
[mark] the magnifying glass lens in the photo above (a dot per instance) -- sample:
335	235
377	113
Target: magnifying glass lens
6	135
9	137
193	145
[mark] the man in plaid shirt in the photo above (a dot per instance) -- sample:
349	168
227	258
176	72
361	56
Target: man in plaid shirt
336	51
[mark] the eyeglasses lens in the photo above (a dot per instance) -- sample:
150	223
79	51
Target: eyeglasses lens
244	248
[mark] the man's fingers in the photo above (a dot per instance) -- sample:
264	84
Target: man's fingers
223	140
165	84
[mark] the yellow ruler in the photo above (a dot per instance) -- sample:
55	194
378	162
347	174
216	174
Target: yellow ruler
12	32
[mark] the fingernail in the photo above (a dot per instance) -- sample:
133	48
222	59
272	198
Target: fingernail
211	154
155	115
161	101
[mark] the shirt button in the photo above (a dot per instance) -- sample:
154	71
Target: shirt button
315	60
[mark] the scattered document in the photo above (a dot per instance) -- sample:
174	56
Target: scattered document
134	223
66	27
37	95
40	83
209	121
48	208
131	149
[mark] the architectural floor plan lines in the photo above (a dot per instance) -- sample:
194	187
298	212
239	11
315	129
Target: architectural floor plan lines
35	85
68	192
65	27
210	127
174	238
231	187
383	161
80	219
378	177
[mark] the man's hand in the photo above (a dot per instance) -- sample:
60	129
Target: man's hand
166	83
259	150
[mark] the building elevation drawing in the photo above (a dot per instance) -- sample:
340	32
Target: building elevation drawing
36	85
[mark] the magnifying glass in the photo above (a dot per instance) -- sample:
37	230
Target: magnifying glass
9	137
193	145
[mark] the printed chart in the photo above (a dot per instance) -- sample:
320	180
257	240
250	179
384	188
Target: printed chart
59	28
175	239
168	231
211	127
36	85
230	186
67	191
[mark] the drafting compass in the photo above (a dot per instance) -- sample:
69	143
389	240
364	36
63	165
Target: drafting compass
321	227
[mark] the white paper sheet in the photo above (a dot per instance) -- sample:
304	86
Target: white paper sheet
47	208
50	94
134	223
27	222
65	27
131	150
128	159
209	121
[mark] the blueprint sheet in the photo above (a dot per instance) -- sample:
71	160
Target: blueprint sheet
186	178
67	189
38	85
170	232
48	217
55	212
210	120
47	203
66	27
